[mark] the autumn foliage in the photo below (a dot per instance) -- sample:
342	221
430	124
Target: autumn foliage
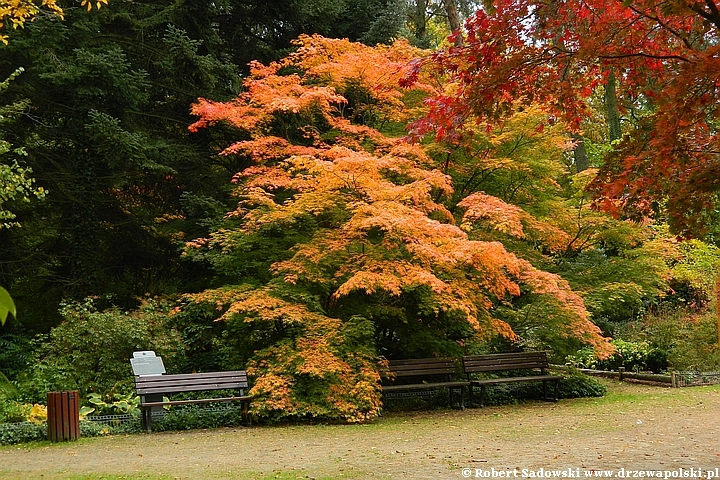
663	57
15	13
363	257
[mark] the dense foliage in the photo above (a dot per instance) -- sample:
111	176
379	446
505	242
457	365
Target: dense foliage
301	230
348	223
657	60
90	350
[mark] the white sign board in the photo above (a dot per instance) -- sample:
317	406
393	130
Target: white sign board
145	366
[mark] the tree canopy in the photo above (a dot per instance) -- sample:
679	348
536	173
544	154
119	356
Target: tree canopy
348	223
664	58
334	204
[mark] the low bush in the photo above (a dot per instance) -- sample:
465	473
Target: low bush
90	428
632	355
577	385
194	416
11	411
112	404
25	432
13	433
90	350
573	384
678	339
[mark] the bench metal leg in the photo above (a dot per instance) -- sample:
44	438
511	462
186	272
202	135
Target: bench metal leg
471	395
147	419
555	396
246	418
461	402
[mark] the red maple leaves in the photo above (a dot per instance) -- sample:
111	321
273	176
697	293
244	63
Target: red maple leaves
665	56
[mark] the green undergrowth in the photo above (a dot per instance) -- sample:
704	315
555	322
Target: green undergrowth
572	385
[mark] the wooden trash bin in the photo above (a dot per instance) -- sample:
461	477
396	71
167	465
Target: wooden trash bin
63	414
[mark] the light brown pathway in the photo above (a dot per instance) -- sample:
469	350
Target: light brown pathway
635	427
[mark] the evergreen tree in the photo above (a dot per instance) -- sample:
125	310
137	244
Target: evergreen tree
107	95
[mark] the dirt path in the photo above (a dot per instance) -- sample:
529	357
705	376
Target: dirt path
635	427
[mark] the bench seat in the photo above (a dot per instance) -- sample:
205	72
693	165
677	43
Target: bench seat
424	386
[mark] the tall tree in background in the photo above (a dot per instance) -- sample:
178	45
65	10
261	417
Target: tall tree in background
666	60
103	127
424	15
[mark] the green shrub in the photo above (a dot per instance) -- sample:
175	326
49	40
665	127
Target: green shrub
112	404
13	433
572	385
679	339
633	355
193	417
11	411
577	385
97	429
15	355
90	351
24	432
434	399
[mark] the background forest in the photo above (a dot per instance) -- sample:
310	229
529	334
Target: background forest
300	188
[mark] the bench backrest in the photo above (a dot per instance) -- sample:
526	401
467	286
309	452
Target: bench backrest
191	382
505	361
420	367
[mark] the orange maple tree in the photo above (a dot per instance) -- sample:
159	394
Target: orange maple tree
362	258
664	58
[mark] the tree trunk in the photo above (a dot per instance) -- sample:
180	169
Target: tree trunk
454	20
580	154
420	20
612	112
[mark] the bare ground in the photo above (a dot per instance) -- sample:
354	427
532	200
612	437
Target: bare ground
634	427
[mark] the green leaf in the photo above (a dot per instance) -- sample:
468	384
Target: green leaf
6	306
96	399
85	411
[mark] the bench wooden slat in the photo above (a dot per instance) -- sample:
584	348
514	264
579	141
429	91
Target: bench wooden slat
191	388
421	367
198	384
244	398
423	361
530	378
500	362
499	367
423	386
192	377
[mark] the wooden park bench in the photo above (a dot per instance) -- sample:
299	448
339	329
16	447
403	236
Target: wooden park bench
506	362
153	388
423	374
